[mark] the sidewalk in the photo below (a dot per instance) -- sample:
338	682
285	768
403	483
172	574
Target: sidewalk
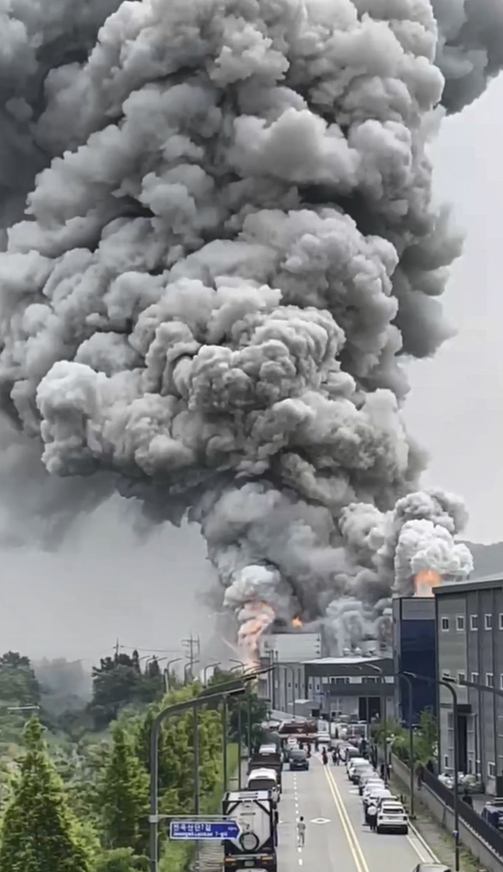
440	842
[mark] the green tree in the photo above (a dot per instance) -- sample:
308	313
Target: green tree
117	682
119	860
39	833
123	796
426	737
18	684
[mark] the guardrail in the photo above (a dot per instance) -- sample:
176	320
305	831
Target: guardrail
488	833
482	840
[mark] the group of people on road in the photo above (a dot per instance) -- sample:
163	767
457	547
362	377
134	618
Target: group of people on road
336	756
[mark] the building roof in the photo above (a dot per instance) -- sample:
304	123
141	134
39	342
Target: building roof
486	583
344	661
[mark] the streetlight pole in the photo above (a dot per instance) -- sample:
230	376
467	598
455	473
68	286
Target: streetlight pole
175	709
178	708
224	741
168	664
443	683
205	670
382	683
411	740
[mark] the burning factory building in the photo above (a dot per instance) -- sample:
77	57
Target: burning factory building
214	269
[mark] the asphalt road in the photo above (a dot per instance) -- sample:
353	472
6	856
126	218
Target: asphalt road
336	838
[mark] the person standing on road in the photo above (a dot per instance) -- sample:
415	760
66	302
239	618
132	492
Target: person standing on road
372	816
324	756
301	832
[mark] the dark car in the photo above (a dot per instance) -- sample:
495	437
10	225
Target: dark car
298	759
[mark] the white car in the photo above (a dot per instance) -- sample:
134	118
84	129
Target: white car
368	775
372	786
362	776
376	796
355	767
392	816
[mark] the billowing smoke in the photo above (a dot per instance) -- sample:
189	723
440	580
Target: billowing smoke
226	258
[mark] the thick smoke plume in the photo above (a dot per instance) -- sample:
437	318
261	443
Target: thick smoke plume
227	254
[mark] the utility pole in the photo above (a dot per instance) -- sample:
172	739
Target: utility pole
117	647
193	645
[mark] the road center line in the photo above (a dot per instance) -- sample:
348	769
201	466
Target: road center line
354	845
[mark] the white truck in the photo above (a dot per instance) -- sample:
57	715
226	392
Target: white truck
257	819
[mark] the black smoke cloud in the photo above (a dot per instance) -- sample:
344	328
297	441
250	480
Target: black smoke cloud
228	249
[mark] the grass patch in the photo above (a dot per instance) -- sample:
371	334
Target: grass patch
177	856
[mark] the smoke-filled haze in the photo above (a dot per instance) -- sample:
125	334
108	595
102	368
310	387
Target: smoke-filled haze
228	254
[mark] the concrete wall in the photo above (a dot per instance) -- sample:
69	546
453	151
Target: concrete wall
445	817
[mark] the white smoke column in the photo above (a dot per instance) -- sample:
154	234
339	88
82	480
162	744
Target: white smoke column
230	253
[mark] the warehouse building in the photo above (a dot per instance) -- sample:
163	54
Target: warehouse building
354	686
469	632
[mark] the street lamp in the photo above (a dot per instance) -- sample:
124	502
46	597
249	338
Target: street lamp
177	708
216	663
440	682
383	712
167	670
411	739
240	662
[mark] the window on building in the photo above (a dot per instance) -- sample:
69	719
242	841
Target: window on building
488	621
474	622
501	681
460	623
470	767
444	624
475	677
491	769
461	677
446	761
341	680
501	620
489	679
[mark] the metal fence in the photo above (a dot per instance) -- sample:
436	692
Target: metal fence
485	831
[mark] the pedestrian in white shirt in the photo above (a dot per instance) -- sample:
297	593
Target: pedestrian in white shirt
372	816
301	832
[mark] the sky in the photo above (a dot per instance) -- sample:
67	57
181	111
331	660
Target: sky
104	583
455	406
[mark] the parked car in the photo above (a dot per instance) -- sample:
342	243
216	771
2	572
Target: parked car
298	760
348	752
355	769
431	867
493	812
377	796
362	776
392	816
371	787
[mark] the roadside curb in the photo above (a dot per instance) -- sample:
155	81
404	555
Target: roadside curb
424	843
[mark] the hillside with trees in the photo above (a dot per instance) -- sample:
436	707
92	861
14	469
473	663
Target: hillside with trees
74	785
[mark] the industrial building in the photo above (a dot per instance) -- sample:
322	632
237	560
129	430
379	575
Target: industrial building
354	686
414	650
469	643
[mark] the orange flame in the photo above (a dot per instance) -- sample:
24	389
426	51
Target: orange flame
296	621
425	580
256	616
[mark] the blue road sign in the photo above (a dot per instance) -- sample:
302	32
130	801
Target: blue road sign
203	830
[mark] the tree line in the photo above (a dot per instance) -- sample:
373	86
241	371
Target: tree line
75	797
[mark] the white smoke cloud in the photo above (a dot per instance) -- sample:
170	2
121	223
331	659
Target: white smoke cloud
228	250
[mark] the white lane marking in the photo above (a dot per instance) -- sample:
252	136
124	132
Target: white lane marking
301	861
